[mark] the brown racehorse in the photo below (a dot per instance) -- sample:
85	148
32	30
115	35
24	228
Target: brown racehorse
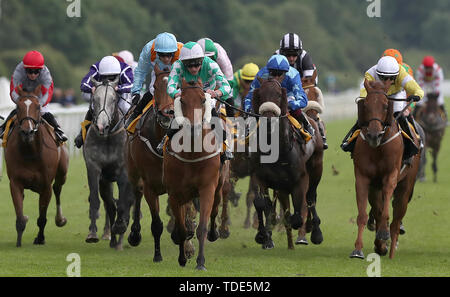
433	122
34	160
192	171
297	171
377	159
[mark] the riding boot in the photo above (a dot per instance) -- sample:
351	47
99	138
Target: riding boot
410	148
414	123
300	116
322	133
345	145
3	126
140	105
79	139
52	121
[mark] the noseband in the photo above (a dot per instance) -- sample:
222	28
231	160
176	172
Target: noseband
35	122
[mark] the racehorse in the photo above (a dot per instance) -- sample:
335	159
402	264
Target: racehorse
191	171
34	160
144	164
377	159
313	109
296	172
433	122
103	153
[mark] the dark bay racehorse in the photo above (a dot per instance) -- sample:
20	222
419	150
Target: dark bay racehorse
34	160
144	164
432	120
104	156
193	172
296	173
379	175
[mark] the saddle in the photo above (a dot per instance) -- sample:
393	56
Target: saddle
134	124
299	129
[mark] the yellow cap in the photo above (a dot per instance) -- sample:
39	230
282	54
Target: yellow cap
249	71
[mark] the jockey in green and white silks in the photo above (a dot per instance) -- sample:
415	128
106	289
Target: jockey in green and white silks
193	65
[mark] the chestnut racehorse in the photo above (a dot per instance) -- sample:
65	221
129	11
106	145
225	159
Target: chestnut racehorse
379	175
34	160
193	171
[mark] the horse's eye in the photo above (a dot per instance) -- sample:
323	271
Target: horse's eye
203	101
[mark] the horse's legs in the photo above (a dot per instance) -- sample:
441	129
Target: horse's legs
389	184
299	202
179	232
157	225
126	199
93	174
376	212
249	199
135	237
399	205
60	180
21	220
224	230
434	153
213	235
107	228
362	192
284	203
44	200
207	201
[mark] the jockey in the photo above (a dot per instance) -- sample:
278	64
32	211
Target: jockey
193	64
278	67
109	68
430	77
32	71
388	69
292	48
241	82
164	50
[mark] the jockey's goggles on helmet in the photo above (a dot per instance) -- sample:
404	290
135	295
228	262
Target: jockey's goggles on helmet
289	52
192	63
385	77
276	72
248	81
164	55
109	77
33	70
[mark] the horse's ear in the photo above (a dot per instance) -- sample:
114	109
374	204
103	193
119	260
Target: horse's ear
367	85
255	100
37	90
284	102
199	81
260	79
20	90
156	69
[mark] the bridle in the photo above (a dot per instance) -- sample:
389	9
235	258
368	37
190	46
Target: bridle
35	122
103	108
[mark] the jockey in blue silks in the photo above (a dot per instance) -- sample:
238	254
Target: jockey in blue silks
278	67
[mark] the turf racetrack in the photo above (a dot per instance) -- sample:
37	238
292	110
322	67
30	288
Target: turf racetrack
423	251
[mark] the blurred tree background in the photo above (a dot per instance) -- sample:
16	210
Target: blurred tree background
342	40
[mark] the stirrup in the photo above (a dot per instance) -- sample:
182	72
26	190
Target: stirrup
78	141
60	135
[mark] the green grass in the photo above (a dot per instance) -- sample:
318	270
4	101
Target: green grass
423	251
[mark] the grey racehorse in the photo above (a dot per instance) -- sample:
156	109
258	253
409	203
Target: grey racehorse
103	153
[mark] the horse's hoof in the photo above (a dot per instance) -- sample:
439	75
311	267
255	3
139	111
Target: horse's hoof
213	235
134	239
182	262
157	258
382	235
402	229
316	236
301	240
39	241
357	254
201	267
61	222
381	251
92	238
106	236
268	245
224	233
119	227
119	247
260	237
296	221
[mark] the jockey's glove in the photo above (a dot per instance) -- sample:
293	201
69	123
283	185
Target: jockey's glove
414	98
136	98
